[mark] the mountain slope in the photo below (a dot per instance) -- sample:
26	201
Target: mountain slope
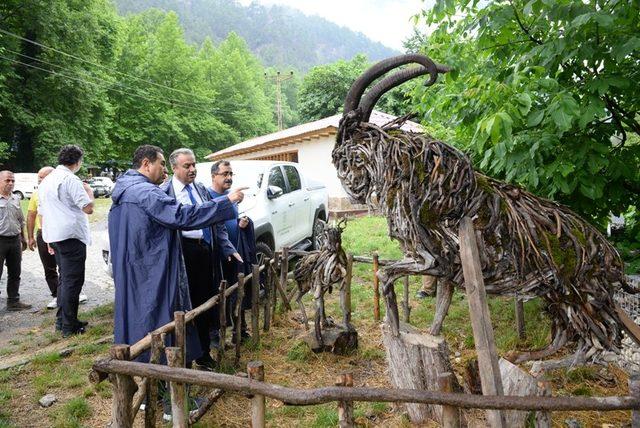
278	35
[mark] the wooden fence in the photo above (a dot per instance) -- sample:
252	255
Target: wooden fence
128	395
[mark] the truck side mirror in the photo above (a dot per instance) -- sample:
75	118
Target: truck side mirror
274	192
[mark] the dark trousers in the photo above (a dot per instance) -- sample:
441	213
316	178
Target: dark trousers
11	252
70	255
230	270
49	264
198	260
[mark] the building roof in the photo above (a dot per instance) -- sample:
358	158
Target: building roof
299	133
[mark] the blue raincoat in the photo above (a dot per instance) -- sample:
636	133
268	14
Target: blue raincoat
148	269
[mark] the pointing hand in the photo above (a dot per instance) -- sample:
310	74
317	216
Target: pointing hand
237	195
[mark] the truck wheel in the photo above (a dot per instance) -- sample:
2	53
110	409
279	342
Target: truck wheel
318	237
19	194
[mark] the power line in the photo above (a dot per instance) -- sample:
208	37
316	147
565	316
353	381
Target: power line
170	100
279	79
97	65
163	101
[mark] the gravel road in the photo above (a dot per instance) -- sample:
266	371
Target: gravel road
98	287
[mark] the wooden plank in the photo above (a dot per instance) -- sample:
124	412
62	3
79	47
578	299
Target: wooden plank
519	308
179	413
238	318
345	407
255	304
406	308
255	370
376	288
181	334
123	389
480	319
450	414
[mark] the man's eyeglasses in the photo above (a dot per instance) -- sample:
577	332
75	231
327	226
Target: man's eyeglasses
225	174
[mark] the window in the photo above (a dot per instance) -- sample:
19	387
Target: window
277	179
292	177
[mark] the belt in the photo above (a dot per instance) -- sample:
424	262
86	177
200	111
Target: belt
9	237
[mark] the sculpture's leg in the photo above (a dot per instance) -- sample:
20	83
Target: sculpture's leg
346	312
303	312
444	292
319	318
393	317
559	340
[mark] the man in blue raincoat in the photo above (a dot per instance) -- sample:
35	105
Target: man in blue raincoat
148	268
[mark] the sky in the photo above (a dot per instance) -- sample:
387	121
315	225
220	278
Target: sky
385	21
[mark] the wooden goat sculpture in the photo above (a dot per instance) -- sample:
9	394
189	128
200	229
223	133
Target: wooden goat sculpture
529	246
320	271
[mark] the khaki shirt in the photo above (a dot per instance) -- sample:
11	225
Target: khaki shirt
11	217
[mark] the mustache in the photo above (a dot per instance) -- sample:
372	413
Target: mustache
228	181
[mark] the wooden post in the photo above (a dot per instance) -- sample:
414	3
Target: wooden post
634	391
181	334
179	411
274	281
520	318
450	414
347	291
490	378
157	348
376	288
123	389
267	294
255	307
282	285
406	308
237	328
255	370
345	407
222	317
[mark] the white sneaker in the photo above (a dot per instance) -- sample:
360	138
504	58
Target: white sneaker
82	298
53	303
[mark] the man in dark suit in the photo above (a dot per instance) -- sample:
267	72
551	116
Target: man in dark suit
200	248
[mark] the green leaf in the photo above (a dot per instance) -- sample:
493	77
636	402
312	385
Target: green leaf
534	118
524	101
581	20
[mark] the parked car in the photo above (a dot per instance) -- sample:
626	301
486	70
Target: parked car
99	187
106	181
26	184
288	209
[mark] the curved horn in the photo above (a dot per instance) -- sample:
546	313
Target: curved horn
379	69
373	95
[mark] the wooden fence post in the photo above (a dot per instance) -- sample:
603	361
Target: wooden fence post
274	281
406	308
255	370
157	348
376	288
179	413
450	414
347	290
345	407
634	391
123	389
490	378
267	294
520	318
222	317
181	334
237	328
282	284
255	307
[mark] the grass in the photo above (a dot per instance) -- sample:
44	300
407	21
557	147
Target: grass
101	208
289	362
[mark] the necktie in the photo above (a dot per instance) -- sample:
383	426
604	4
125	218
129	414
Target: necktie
206	232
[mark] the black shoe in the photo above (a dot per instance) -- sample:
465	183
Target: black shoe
422	294
194	405
215	340
79	330
83	323
17	305
205	363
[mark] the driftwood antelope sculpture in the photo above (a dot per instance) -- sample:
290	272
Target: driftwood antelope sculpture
529	246
320	271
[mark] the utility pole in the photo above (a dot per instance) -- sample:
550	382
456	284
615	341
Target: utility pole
278	79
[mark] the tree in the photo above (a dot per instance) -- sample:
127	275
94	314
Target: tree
543	95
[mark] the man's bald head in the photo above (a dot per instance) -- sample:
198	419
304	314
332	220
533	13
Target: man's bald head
7	182
43	172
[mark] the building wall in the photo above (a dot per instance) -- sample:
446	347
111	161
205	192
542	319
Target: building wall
314	157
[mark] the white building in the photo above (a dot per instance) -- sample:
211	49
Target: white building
310	145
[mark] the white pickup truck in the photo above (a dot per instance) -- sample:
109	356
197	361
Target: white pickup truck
288	209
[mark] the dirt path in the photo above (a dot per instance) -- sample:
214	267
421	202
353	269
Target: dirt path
98	287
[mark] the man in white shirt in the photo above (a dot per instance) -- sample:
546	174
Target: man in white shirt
64	202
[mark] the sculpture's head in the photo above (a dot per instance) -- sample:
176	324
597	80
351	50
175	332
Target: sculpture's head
355	149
